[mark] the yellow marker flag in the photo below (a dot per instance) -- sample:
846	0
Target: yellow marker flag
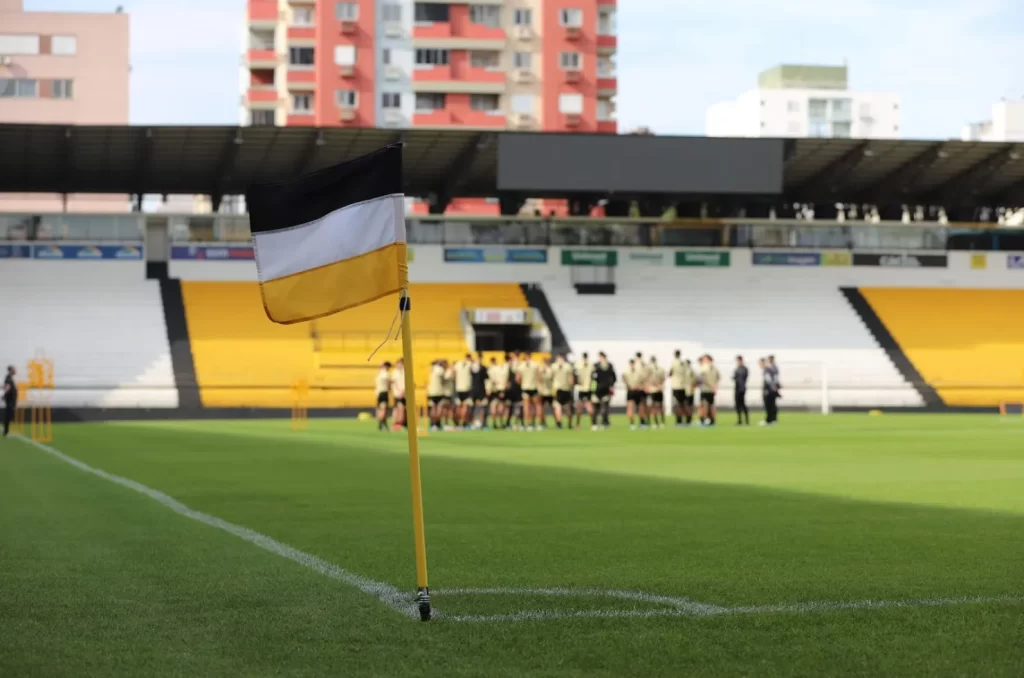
333	240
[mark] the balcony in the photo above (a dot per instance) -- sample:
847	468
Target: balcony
607	43
261	58
432	74
262	12
607	84
459	117
432	29
432	118
573	77
475	74
301	80
261	95
301	33
607	127
300	120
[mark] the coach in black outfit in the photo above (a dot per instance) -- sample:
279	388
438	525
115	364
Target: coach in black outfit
739	380
10	398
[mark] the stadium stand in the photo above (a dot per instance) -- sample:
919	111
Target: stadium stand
812	331
967	343
107	339
244	360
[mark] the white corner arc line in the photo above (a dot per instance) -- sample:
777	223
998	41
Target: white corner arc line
387	594
393	598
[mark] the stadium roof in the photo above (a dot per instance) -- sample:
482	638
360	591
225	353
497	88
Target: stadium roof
224	160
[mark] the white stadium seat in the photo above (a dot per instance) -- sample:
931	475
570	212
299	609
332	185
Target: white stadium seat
819	342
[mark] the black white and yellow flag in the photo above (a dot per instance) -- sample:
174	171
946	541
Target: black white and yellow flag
330	240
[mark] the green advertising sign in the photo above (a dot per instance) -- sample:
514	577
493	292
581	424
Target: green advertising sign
590	258
651	258
702	258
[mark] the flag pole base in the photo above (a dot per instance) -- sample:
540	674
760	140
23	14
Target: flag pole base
423	603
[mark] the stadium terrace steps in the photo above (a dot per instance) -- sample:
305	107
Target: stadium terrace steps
244	360
885	339
968	344
177	336
536	298
107	339
812	331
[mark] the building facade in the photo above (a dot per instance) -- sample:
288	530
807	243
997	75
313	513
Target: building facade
63	68
806	101
487	64
1007	124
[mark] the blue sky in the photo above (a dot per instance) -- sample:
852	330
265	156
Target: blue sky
948	59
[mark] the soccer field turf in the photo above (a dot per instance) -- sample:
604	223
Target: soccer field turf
746	541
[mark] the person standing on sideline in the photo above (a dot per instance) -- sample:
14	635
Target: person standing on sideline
656	393
771	394
739	380
383	384
398	393
583	374
10	398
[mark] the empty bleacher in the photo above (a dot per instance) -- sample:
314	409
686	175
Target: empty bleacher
813	332
967	343
244	360
107	339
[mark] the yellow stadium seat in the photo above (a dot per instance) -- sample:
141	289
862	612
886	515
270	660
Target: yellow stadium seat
244	360
968	344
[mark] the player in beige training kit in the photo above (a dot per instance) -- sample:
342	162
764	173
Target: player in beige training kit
529	379
561	384
656	393
398	392
382	382
583	369
709	378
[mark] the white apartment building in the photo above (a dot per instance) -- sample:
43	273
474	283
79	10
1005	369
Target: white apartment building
806	101
1007	124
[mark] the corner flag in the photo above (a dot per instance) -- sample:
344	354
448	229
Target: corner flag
333	240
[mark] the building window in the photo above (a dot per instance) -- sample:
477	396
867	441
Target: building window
570	61
391	100
19	45
480	59
346	98
484	102
485	15
605	110
346	11
793	106
300	56
345	55
571	17
817	128
62	89
429	13
64	45
841	130
261	39
302	16
385	56
522	60
522	17
817	109
391	12
431	57
21	88
605	67
262	119
302	103
570	104
842	110
428	102
606	22
522	104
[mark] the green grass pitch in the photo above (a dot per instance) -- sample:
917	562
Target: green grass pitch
746	543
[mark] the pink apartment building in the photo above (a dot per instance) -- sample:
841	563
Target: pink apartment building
58	68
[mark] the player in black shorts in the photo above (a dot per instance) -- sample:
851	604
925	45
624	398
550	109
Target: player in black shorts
478	395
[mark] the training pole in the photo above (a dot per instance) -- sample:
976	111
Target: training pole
422	588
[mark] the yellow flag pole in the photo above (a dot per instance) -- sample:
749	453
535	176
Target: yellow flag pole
422	587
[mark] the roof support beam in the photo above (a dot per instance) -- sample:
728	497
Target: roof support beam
899	184
143	157
964	186
830	179
225	165
309	153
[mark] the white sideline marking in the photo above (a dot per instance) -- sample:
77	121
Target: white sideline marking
393	598
385	593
